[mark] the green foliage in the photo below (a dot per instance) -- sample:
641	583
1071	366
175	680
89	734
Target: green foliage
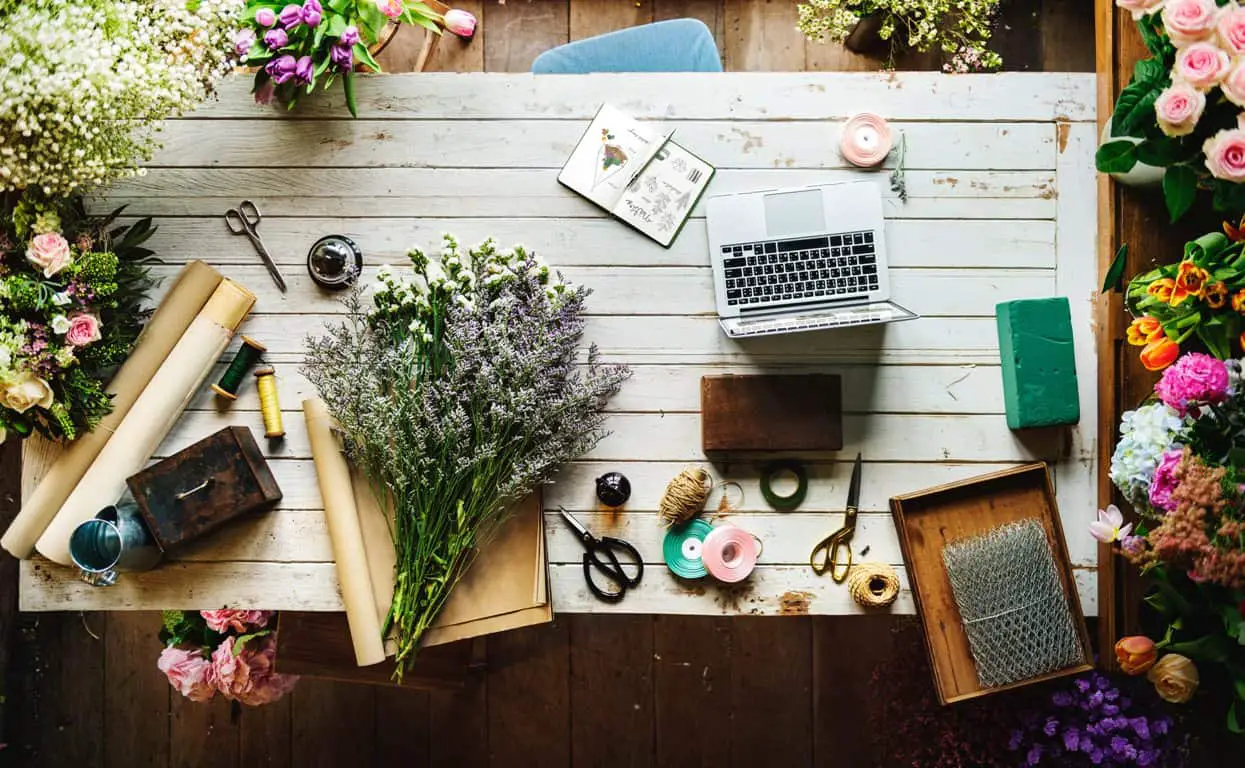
1116	156
187	629
1179	189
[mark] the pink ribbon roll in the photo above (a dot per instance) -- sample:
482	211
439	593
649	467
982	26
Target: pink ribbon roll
866	140
730	553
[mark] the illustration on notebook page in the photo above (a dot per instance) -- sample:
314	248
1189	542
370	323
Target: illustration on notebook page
610	158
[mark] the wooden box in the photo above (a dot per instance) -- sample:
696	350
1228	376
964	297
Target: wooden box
928	520
771	413
203	486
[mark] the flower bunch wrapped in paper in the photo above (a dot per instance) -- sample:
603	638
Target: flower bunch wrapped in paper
459	390
1202	296
1183	108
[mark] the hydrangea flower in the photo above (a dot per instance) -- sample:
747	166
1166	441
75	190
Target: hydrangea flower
1145	435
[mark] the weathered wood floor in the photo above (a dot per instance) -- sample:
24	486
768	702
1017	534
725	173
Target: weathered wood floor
82	690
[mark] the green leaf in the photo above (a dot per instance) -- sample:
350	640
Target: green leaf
336	26
1179	190
1141	113
421	21
319	36
365	56
1116	157
240	642
1115	272
1234	722
1212	648
1162	151
341	6
348	86
1228	197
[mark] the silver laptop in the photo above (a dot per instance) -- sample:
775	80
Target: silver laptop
800	259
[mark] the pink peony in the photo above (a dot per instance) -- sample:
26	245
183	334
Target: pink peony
1202	65
83	329
187	671
1233	86
49	252
1225	155
1189	21
225	620
1193	380
1165	480
1139	8
1178	108
248	677
1231	29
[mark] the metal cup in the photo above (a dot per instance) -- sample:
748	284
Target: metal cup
116	540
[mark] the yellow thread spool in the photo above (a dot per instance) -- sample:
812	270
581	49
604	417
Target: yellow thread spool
269	405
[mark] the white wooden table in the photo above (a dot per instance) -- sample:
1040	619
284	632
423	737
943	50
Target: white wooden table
1001	184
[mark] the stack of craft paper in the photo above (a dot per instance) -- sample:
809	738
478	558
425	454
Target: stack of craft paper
505	588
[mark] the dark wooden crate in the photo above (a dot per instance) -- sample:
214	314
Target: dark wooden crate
771	413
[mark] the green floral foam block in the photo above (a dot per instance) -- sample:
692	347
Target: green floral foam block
1039	368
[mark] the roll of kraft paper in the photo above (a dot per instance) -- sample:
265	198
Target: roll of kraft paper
151	417
342	516
185	299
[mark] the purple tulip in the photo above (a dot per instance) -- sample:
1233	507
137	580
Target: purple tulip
276	39
291	16
350	35
265	17
242	41
263	94
281	68
304	71
312	13
342	56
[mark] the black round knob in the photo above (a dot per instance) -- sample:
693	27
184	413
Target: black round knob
613	489
335	261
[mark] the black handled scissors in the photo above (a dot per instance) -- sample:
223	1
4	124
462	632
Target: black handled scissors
606	547
829	554
244	220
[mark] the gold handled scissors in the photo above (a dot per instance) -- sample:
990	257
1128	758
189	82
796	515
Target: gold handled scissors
834	553
244	220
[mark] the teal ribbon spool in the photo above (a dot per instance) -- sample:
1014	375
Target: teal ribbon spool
681	549
248	355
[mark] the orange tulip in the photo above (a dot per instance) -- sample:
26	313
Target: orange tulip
1190	281
1238	302
1216	295
1241	341
1159	354
1162	288
1235	234
1144	330
1136	654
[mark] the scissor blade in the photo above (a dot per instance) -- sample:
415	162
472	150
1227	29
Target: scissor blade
853	490
575	525
271	265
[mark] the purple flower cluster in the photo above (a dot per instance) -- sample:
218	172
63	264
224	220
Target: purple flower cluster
1093	722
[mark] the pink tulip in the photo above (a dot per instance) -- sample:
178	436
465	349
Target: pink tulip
461	23
1110	525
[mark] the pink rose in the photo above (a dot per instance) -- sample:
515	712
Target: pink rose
248	677
1201	65
1178	108
239	621
391	8
1139	8
1231	29
1165	480
1189	21
49	252
83	329
187	671
1233	86
1193	380
1225	155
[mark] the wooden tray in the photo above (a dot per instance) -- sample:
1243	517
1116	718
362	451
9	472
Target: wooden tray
928	520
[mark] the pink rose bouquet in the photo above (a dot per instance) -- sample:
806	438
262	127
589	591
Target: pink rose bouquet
1182	111
230	652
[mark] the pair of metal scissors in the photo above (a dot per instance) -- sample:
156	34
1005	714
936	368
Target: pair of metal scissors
834	553
244	220
611	567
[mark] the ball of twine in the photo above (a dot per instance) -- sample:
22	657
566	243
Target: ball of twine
685	496
873	585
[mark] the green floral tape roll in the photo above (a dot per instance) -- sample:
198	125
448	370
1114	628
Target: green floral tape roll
784	503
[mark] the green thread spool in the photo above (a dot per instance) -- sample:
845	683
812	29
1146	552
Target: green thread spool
248	355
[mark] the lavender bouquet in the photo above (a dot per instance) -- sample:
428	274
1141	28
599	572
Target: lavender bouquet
460	390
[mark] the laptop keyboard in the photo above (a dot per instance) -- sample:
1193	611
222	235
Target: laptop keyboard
839	266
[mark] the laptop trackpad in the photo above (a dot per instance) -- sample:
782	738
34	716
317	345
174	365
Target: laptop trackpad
794	213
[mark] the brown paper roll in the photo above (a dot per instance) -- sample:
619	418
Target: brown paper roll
151	417
185	299
342	516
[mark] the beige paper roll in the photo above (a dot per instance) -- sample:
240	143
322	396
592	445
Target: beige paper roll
185	299
342	516
151	417
376	524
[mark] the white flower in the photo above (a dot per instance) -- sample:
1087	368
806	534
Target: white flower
60	324
61	299
1109	526
6	358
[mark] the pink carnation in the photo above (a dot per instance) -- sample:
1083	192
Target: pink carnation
248	677
1201	65
1231	29
1140	8
1165	480
1178	108
1225	155
1189	21
239	621
1192	380
188	672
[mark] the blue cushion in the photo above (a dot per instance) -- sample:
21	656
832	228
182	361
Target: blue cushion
679	45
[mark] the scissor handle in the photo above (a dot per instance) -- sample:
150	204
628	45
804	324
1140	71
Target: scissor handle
827	555
612	568
244	219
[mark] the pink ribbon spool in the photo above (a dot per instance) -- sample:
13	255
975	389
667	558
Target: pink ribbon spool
730	553
866	140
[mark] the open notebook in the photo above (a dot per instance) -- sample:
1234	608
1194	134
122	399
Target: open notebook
637	174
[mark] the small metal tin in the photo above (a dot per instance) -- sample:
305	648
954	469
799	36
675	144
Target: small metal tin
335	262
613	489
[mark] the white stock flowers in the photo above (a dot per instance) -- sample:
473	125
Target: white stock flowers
83	83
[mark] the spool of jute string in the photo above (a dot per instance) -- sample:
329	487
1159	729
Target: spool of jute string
873	585
685	496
